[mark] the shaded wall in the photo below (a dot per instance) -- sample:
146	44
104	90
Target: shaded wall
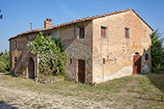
76	48
19	56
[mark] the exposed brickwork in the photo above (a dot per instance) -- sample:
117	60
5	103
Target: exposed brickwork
47	23
77	49
115	50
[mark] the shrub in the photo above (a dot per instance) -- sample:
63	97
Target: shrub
4	61
52	58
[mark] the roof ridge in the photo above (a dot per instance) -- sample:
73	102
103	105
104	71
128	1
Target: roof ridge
91	18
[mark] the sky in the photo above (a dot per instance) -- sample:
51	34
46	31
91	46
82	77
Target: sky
18	14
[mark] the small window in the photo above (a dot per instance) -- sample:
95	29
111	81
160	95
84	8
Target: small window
81	32
15	44
103	32
146	57
127	32
103	60
70	61
27	41
15	60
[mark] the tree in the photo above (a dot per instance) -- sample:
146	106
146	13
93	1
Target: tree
1	15
52	57
4	61
157	52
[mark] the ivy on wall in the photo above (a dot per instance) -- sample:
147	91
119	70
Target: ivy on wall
52	57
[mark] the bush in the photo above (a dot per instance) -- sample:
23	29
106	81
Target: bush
2	66
52	58
4	61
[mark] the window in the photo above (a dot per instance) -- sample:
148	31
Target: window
27	41
70	61
81	32
15	44
127	32
15	60
103	60
103	32
146	57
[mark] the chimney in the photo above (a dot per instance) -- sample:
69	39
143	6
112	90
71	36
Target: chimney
47	23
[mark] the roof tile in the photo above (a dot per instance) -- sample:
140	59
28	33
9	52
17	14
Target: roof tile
81	20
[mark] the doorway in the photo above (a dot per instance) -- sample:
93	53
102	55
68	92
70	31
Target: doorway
137	64
81	70
31	68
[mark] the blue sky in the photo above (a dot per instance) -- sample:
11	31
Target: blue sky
18	14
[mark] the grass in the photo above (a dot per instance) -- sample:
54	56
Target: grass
135	91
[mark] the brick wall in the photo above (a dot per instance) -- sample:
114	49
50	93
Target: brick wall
117	50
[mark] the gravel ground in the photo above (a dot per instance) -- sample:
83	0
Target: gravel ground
133	92
31	100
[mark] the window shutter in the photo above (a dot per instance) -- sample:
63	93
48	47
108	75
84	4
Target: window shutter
103	32
81	34
103	60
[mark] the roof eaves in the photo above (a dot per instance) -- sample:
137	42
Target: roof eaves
82	20
30	32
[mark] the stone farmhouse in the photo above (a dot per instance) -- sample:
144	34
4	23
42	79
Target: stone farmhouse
99	48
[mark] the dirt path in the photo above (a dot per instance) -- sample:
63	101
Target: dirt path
123	93
28	100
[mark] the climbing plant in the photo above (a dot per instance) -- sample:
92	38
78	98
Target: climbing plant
52	57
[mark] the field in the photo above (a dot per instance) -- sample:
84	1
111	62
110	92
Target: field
131	92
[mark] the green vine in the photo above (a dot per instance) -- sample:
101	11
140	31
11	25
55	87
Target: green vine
52	57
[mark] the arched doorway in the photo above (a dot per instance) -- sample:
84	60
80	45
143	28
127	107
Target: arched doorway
137	63
81	70
31	68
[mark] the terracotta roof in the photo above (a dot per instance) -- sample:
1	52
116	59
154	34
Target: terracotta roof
82	20
29	32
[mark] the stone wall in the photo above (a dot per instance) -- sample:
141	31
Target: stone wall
117	50
20	55
76	48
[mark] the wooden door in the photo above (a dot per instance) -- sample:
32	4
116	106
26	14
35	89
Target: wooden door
81	71
137	64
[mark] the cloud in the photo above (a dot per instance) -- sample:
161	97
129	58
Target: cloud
66	10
